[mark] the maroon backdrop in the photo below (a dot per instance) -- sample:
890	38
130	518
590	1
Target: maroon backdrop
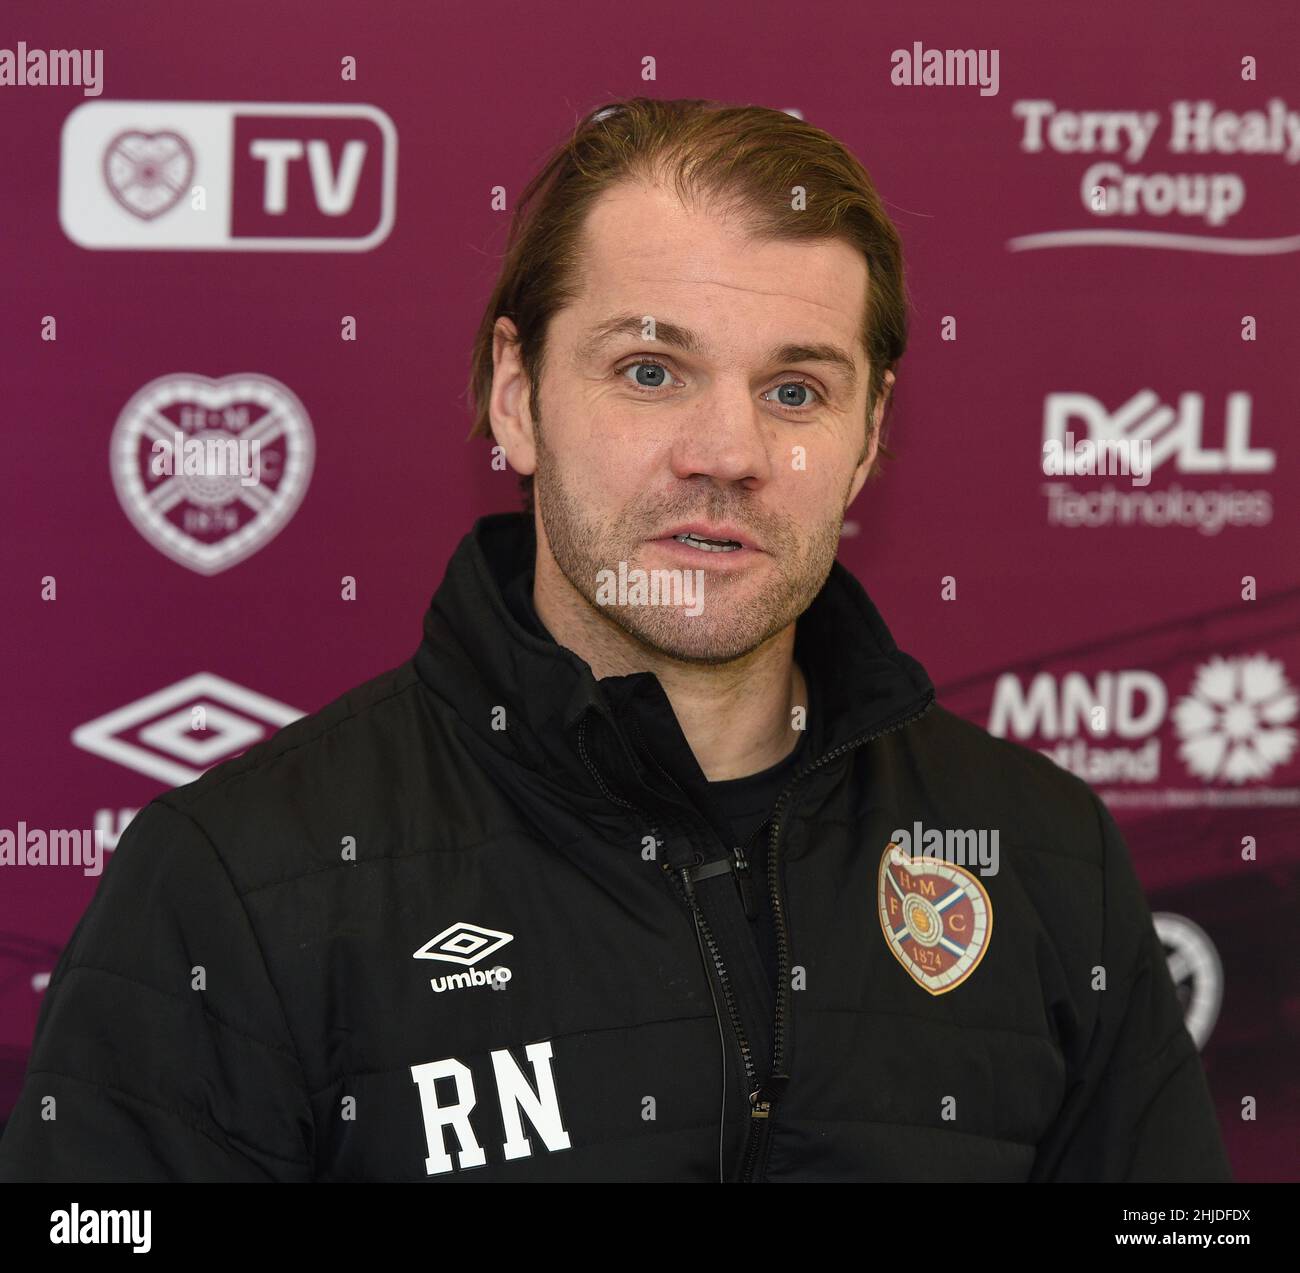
182	250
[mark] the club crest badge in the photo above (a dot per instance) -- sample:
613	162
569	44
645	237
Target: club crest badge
209	471
936	918
148	173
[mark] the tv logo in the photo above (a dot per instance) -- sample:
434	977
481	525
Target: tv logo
230	176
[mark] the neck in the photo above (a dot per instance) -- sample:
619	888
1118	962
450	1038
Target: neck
736	716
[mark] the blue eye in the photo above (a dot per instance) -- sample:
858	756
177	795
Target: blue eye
659	376
650	367
797	384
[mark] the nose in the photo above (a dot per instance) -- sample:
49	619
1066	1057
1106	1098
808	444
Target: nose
725	436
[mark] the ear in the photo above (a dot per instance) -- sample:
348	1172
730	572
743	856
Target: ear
869	458
509	405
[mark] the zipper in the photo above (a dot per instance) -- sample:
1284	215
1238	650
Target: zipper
740	868
689	874
764	1095
737	866
763	1098
687	890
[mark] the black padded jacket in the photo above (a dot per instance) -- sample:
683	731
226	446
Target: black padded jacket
475	921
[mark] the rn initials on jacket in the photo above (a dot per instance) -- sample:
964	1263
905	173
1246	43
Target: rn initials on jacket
515	1094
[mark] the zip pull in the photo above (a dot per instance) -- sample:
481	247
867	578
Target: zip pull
744	882
698	870
738	867
765	1096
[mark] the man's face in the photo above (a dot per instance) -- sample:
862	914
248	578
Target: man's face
752	435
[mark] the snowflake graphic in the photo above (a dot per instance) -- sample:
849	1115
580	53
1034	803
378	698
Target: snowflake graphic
1234	725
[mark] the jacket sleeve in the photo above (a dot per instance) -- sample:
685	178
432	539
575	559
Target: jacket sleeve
1140	1108
162	1051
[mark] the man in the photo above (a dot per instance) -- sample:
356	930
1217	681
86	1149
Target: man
615	880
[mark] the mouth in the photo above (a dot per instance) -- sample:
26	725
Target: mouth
709	539
708	545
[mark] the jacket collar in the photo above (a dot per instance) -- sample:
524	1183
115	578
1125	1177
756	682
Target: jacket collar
479	658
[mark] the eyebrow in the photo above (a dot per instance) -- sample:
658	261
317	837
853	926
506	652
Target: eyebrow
604	333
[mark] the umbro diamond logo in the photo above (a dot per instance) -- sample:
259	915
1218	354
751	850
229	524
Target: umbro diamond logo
466	944
463	944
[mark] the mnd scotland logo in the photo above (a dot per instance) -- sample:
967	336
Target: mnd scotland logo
1236	723
1234	730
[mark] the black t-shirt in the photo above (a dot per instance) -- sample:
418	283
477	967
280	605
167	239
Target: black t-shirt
746	804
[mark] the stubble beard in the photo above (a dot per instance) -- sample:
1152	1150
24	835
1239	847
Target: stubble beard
737	616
